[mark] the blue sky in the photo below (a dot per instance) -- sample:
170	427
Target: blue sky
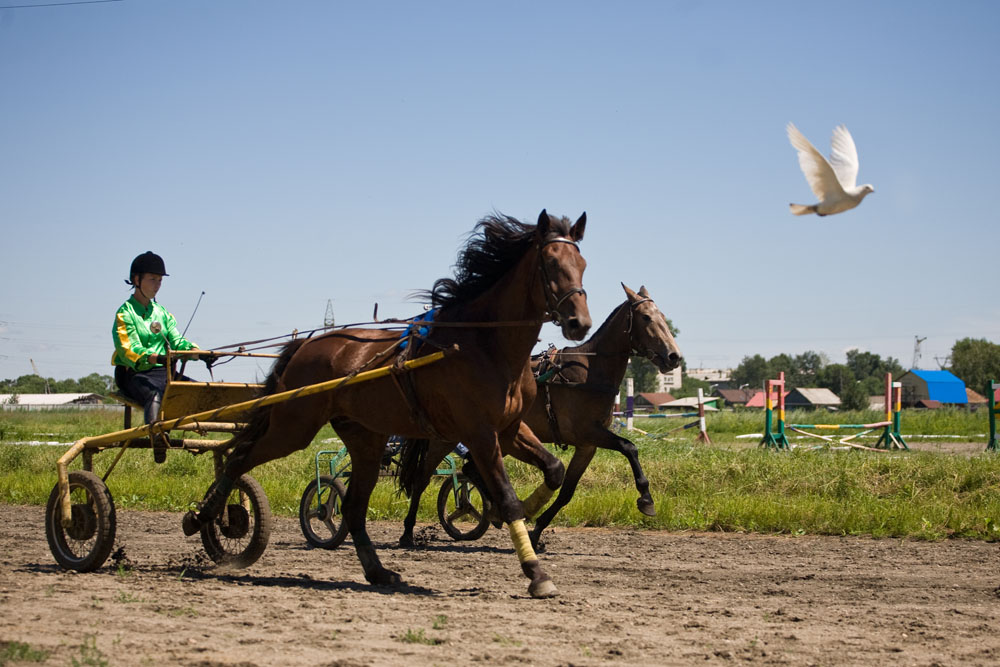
282	154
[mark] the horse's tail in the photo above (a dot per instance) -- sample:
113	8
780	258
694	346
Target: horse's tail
260	417
412	458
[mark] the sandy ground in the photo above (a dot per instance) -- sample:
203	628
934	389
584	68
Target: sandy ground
627	598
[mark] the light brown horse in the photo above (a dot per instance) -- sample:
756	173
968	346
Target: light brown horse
573	407
510	277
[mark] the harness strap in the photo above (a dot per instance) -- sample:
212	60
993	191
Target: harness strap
553	420
543	378
407	388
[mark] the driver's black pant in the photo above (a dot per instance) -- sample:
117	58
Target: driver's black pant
145	387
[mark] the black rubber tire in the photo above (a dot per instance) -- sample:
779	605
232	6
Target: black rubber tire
239	535
86	544
324	527
464	517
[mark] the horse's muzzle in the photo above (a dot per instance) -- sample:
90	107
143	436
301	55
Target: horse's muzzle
576	328
666	362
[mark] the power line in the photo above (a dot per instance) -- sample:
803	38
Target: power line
58	4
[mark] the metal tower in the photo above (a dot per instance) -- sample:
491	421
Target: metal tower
916	352
328	319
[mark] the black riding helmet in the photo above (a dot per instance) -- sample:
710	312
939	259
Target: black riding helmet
147	262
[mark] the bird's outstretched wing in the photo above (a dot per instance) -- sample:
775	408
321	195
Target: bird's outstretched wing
819	174
844	157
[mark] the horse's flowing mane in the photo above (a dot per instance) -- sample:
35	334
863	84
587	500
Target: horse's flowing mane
496	244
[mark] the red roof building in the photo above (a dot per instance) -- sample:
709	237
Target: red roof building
651	400
757	400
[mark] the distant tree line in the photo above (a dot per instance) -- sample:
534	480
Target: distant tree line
976	361
34	384
862	376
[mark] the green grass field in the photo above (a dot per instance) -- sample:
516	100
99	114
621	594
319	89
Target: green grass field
728	486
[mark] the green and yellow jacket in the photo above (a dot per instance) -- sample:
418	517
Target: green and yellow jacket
141	331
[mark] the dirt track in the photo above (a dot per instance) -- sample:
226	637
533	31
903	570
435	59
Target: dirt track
627	598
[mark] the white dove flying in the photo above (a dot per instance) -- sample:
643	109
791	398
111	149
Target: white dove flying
832	182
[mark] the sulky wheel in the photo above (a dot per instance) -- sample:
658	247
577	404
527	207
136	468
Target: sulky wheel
322	519
239	535
461	510
85	544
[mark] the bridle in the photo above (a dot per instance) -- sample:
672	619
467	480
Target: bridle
631	312
628	329
552	301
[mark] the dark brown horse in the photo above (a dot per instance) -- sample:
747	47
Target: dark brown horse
509	278
574	407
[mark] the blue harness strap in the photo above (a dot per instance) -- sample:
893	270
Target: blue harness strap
419	326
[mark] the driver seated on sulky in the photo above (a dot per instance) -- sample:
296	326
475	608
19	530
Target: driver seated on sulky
143	332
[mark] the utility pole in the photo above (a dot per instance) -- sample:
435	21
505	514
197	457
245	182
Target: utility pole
35	369
328	320
916	352
944	363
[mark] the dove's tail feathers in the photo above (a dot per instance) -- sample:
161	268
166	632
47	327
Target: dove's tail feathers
799	209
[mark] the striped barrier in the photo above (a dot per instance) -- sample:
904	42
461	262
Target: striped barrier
700	422
889	439
991	390
629	414
776	439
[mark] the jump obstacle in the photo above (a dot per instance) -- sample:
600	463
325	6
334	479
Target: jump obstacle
889	439
629	415
991	391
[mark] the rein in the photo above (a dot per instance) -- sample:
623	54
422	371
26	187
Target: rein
553	304
550	373
397	323
553	370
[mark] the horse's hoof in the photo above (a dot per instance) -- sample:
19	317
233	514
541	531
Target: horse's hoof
537	543
406	541
385	577
646	507
543	588
190	523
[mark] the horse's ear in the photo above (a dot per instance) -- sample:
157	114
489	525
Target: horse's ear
543	223
643	292
629	293
576	231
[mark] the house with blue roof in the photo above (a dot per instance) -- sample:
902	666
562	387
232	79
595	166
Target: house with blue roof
932	388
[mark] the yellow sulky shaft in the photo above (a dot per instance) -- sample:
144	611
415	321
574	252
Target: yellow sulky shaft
210	415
